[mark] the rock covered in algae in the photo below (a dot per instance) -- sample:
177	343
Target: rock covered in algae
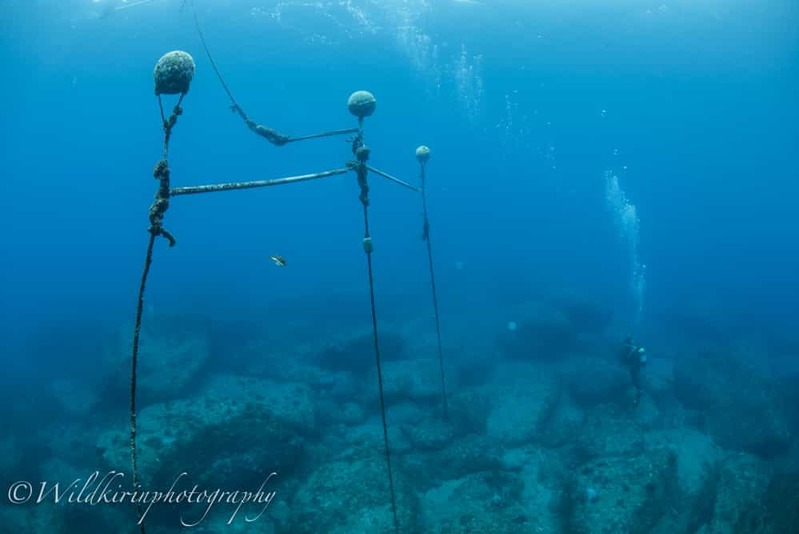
516	411
622	494
470	454
410	380
213	437
429	434
487	502
718	383
352	497
361	104
173	73
593	381
542	332
173	350
346	352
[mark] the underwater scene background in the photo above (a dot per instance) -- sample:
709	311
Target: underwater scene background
599	172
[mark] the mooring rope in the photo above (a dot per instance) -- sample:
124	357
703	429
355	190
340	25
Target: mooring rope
361	152
390	178
157	211
234	105
134	362
367	239
426	237
270	134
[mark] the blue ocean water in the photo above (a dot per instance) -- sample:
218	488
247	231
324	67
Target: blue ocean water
633	162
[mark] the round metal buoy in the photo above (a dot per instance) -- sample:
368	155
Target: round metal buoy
361	104
173	73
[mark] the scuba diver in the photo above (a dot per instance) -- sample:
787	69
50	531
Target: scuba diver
633	357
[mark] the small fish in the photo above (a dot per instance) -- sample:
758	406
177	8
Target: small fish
280	261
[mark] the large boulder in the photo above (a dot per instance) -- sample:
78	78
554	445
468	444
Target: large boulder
173	350
218	441
730	499
720	384
409	380
486	502
353	497
631	494
516	412
596	381
355	352
538	332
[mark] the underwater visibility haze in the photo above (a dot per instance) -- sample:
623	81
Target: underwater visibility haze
549	287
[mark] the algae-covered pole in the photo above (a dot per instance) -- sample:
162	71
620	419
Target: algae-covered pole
391	178
231	186
173	74
362	104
